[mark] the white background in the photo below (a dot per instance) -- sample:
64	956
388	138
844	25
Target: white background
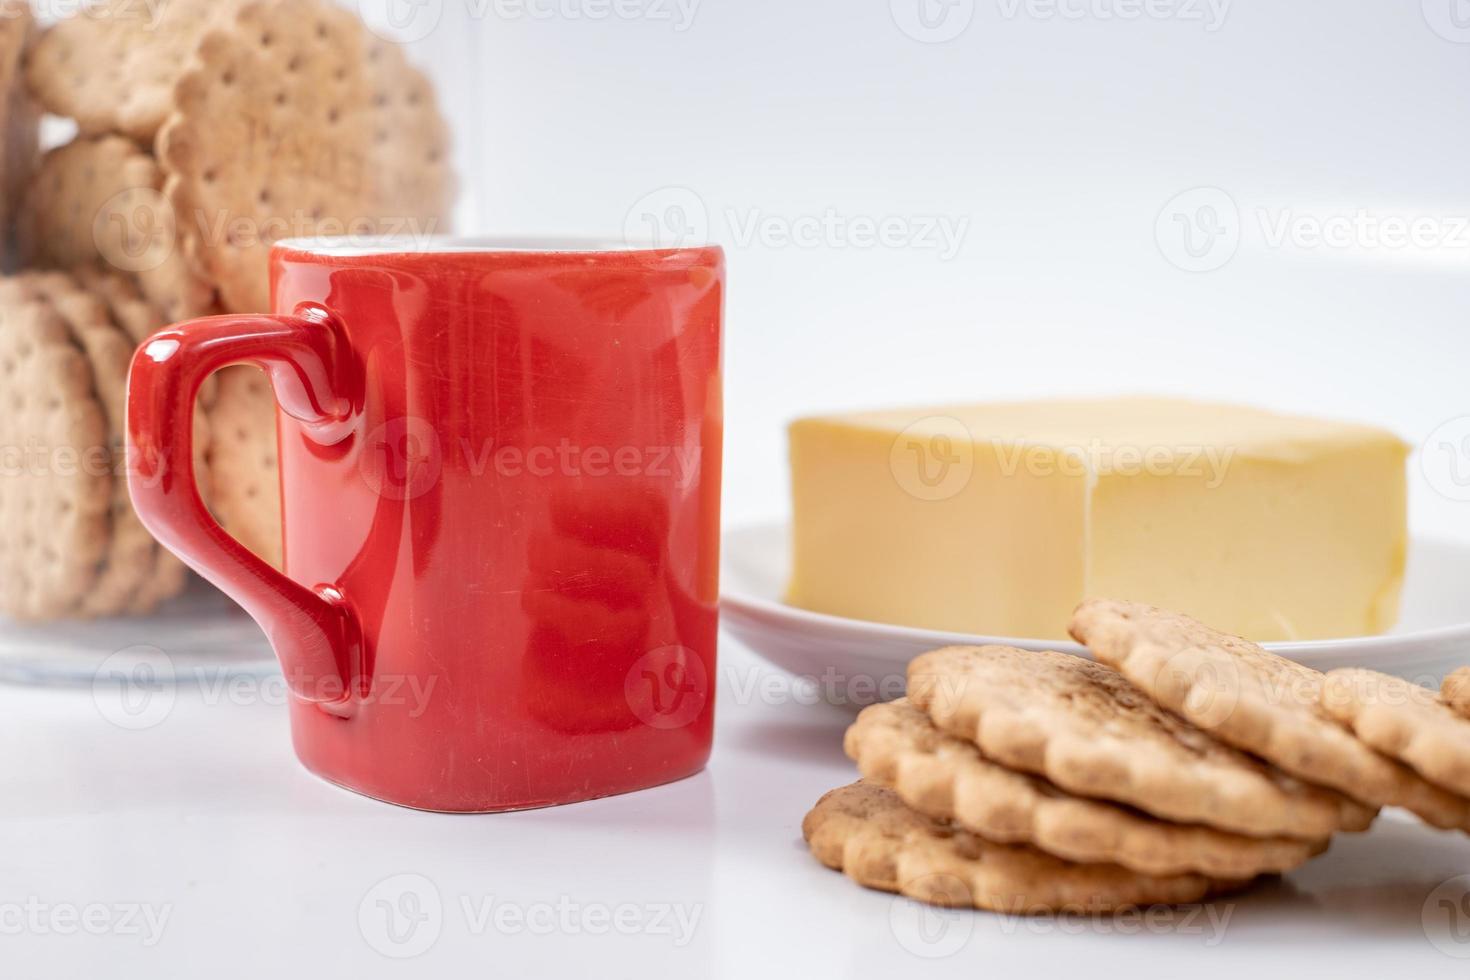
1057	133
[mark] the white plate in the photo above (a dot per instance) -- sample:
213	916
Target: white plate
850	659
199	633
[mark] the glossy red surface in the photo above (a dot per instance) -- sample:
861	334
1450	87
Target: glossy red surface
501	477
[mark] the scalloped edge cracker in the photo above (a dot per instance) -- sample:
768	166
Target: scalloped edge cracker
1254	700
947	778
867	833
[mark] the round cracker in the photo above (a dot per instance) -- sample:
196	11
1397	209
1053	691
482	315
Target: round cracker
296	120
1086	729
1403	721
97	200
1256	701
131	552
866	832
244	482
112	65
55	482
897	746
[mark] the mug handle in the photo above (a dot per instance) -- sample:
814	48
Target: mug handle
316	382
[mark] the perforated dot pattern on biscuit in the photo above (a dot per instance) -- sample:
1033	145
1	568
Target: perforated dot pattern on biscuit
113	70
285	97
45	570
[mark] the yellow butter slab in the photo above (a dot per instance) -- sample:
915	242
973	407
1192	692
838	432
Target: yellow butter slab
1000	518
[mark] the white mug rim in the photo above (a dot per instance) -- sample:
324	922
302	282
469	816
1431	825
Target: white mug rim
359	246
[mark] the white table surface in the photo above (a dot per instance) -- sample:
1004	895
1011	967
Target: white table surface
196	846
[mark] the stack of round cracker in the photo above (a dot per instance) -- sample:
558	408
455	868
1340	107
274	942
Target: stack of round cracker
207	130
1026	782
70	544
1185	763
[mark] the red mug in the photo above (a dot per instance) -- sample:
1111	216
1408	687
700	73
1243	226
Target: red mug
500	485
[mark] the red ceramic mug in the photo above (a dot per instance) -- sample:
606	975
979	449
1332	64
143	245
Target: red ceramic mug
500	484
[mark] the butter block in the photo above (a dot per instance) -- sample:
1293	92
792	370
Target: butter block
998	519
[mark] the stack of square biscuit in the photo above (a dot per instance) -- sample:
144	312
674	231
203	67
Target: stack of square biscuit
1185	763
206	130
